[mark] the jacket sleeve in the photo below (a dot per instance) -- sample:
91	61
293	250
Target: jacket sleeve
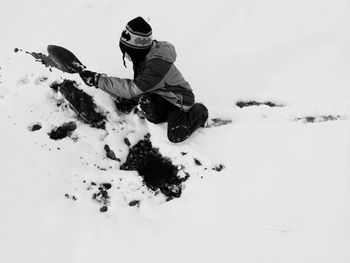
125	88
153	73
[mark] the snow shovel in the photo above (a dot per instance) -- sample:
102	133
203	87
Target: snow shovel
65	60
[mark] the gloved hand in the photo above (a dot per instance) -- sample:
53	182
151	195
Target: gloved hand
90	78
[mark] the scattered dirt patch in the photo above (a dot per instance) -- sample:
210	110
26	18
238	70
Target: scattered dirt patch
312	119
127	142
215	122
197	162
72	197
102	197
91	185
41	80
250	103
218	168
158	172
35	127
55	86
82	103
42	58
134	203
106	186
125	105
101	168
110	154
66	129
103	209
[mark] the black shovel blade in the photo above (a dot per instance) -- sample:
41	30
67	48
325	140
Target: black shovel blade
65	60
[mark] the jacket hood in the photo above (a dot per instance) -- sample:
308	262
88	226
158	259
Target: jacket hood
162	50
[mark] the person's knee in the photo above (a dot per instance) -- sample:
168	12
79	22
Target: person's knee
153	108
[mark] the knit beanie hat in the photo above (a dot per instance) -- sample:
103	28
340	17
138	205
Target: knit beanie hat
136	39
137	34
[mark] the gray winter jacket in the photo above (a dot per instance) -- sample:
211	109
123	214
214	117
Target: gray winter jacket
158	75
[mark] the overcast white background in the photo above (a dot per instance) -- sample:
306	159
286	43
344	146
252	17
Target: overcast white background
284	194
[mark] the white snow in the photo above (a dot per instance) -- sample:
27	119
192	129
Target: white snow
284	193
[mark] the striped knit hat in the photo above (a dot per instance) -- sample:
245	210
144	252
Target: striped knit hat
136	40
137	34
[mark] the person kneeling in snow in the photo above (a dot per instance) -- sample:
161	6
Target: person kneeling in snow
158	86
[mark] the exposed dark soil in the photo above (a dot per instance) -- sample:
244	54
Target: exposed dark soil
55	86
82	103
101	196
157	171
250	103
110	154
35	127
42	58
72	197
134	203
63	131
127	142
215	122
218	168
106	186
125	105
41	80
312	119
104	209
197	162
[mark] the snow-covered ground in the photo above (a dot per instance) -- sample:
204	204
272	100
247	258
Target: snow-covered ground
284	193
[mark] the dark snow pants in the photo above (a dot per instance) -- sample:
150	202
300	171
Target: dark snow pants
181	124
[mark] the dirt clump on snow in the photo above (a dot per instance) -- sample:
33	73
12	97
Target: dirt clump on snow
125	105
40	57
110	154
216	122
312	119
243	104
102	197
82	103
218	167
134	203
157	171
35	127
63	131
